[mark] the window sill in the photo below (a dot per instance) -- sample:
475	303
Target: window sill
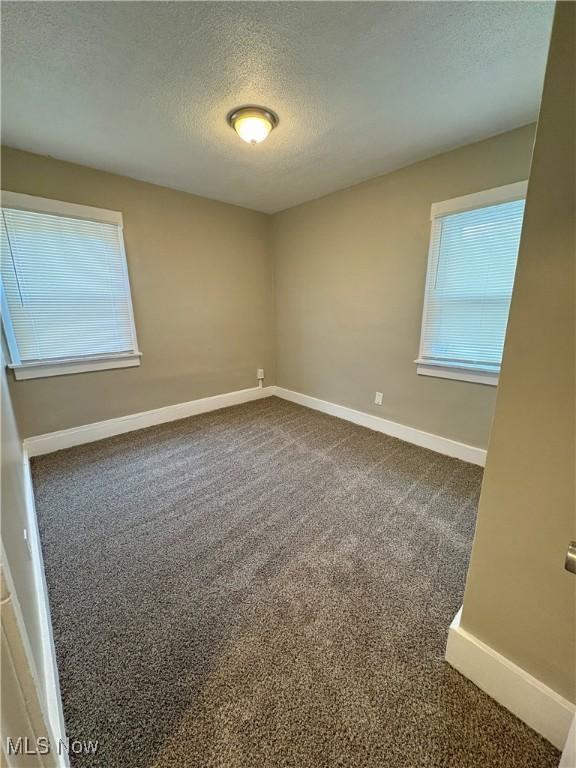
65	367
443	371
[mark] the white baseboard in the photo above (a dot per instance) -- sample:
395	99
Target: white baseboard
568	759
45	673
409	434
89	433
526	697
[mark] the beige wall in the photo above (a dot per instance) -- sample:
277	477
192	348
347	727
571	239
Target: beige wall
519	599
350	273
21	705
23	695
13	522
202	287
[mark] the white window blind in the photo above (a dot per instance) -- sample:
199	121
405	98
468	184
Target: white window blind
471	266
65	289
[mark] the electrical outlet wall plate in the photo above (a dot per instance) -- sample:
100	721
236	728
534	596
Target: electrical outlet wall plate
260	373
378	398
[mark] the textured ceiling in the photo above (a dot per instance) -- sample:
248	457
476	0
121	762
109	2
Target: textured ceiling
143	88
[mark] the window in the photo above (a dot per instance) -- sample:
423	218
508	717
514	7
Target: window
66	304
471	264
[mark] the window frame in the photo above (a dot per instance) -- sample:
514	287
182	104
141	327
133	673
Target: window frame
67	365
489	197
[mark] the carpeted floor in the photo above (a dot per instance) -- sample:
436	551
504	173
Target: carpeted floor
266	586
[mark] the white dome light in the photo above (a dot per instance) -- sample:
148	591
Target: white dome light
252	124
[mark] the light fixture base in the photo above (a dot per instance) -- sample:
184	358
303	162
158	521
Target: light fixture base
252	110
252	123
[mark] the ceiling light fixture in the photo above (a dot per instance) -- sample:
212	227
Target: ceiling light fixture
252	124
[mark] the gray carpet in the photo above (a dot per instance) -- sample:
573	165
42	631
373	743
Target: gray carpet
266	586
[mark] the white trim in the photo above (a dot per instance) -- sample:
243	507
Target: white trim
65	367
8	328
45	368
53	701
493	196
59	208
89	433
444	371
529	699
25	717
428	440
126	276
568	759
